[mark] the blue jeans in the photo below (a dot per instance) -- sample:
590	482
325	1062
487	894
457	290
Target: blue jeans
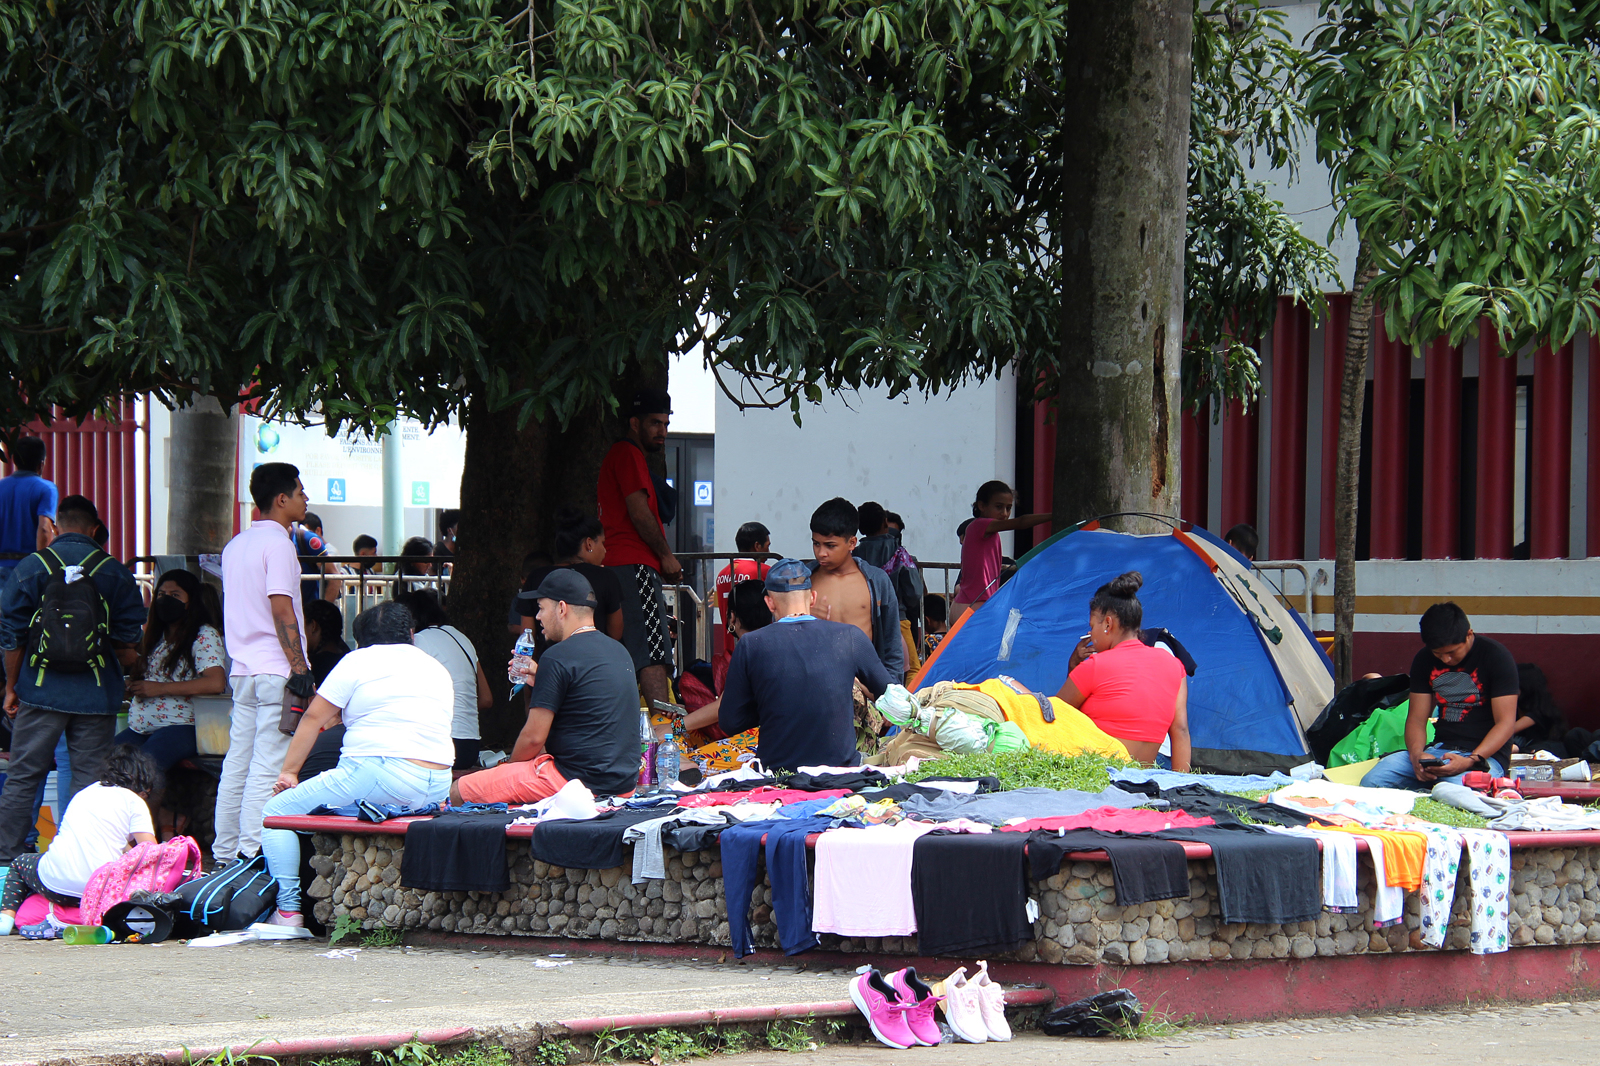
168	746
1394	770
372	778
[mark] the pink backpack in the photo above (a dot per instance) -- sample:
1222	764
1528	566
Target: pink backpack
156	867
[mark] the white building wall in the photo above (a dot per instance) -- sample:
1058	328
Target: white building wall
923	457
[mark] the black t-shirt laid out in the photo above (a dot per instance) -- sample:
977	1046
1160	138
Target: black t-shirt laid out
588	681
1204	802
457	853
867	778
1143	870
796	680
1461	693
1261	876
595	844
969	892
906	789
607	589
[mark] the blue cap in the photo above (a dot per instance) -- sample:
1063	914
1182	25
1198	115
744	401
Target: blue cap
788	575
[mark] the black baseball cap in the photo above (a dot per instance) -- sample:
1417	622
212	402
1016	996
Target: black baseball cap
565	585
650	402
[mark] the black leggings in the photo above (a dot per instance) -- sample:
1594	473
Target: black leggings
23	881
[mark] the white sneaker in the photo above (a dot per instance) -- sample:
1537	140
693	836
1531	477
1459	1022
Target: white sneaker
991	1004
281	926
961	1010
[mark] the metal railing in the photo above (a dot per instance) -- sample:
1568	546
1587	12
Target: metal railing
1284	569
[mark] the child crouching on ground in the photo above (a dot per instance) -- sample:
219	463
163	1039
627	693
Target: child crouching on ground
101	822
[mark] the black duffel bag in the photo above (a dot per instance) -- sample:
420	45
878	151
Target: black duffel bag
226	900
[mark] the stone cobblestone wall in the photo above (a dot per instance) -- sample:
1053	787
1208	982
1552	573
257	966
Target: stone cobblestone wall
1555	894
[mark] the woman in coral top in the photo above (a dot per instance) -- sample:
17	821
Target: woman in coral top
1136	693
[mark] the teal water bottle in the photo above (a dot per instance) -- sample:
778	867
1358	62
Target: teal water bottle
86	934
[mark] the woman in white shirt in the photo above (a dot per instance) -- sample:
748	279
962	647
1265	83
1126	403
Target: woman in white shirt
436	636
396	703
100	823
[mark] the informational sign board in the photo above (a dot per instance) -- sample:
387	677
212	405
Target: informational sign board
348	468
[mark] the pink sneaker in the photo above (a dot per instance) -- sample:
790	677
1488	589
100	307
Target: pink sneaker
883	1008
919	1016
991	1004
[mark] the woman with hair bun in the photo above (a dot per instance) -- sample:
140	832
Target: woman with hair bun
1138	694
980	544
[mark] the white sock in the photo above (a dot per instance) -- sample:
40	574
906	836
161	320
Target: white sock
7	923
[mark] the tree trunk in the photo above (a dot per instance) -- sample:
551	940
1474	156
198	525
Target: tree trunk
512	485
1126	111
200	489
1347	488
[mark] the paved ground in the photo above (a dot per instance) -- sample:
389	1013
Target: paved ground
161	996
116	1000
1546	1035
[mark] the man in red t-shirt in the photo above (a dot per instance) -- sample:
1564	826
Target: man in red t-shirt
636	540
755	539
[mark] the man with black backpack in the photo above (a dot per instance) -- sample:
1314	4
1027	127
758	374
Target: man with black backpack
70	620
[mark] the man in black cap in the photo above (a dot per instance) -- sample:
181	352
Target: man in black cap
636	539
796	679
583	710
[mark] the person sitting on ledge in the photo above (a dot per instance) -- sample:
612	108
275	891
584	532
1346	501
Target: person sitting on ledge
583	709
1136	693
795	679
396	703
1473	681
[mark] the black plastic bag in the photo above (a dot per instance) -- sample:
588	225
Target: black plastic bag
1095	1016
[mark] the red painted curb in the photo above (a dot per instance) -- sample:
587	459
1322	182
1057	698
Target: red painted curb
324	1045
1216	992
1017	997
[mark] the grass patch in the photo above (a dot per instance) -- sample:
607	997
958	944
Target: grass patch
1431	810
1154	1025
1033	768
657	1045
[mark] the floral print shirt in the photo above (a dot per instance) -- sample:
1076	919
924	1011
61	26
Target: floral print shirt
146	714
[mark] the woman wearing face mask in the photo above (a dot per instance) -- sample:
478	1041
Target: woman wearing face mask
180	656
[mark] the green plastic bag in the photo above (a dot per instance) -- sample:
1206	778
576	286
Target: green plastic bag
1382	733
1006	736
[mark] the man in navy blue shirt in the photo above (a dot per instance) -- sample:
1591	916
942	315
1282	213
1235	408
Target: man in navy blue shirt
44	704
27	504
796	679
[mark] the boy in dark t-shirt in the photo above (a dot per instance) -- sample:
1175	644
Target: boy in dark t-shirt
1472	680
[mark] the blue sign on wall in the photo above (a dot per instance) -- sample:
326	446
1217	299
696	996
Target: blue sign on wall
702	494
336	490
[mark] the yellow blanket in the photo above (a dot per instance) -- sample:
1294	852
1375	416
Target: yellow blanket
1072	731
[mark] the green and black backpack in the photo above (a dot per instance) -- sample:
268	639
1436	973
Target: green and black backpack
71	630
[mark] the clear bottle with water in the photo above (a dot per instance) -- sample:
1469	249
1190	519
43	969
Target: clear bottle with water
521	660
667	768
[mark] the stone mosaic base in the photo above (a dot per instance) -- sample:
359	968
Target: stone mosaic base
1555	893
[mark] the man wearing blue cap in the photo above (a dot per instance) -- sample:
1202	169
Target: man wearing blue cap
796	679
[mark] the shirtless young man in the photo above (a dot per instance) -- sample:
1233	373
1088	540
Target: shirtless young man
851	591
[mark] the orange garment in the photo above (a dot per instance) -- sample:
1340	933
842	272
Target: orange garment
1403	854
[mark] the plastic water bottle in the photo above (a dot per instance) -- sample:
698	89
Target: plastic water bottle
647	751
86	934
521	659
667	768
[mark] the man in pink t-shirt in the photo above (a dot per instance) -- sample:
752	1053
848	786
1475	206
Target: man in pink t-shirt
263	627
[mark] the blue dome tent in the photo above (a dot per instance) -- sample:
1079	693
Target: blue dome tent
1261	676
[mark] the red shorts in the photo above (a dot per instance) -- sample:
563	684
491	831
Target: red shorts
514	783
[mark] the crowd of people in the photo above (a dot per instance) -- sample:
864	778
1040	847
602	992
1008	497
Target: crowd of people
810	645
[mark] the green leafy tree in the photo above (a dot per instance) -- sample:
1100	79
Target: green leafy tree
1461	136
510	211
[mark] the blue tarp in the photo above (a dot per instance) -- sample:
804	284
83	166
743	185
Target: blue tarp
1237	700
